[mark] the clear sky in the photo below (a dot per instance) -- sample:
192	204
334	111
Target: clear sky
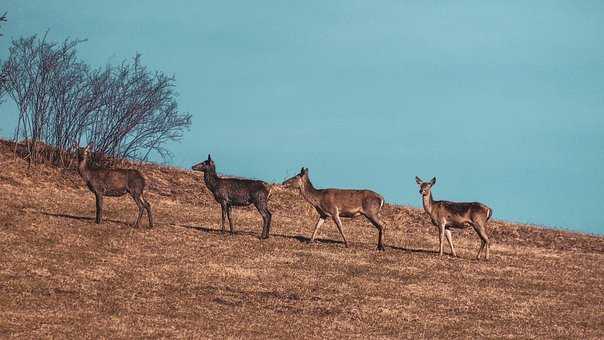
502	101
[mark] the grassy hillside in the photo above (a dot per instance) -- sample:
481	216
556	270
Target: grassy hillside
61	275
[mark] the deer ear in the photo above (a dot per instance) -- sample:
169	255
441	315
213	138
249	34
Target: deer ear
433	181
209	157
418	180
302	170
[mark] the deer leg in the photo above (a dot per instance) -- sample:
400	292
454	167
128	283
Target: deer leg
99	207
441	239
480	249
319	224
336	218
141	209
269	217
487	244
149	214
487	241
448	234
266	223
262	207
374	220
223	207
484	240
228	211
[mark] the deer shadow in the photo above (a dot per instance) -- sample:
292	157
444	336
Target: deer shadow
446	255
299	238
216	231
82	218
306	239
414	250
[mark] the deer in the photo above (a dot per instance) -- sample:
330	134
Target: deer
447	215
337	203
230	192
114	183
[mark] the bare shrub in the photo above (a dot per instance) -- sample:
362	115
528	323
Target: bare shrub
30	74
125	110
138	112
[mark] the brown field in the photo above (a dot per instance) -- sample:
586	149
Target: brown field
63	276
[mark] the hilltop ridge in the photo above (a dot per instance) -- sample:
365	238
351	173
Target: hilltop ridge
63	275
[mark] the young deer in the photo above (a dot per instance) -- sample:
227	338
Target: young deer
447	215
336	203
114	183
230	192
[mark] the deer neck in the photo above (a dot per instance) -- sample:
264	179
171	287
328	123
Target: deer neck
211	178
310	194
83	168
428	202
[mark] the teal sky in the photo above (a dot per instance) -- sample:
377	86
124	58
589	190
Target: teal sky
502	101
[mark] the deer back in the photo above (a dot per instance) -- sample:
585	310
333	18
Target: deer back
115	182
459	213
350	202
240	191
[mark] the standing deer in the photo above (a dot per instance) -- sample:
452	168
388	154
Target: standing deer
336	203
447	215
114	183
230	192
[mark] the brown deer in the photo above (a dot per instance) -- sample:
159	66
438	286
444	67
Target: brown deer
114	183
336	203
446	215
230	192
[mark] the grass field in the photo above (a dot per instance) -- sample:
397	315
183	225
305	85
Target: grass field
63	276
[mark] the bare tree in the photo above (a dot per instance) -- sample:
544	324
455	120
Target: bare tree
74	98
126	111
2	77
139	113
30	77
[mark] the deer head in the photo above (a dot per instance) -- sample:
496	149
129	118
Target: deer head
297	180
84	153
425	187
205	165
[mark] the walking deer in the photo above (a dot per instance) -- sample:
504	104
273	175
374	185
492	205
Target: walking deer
336	203
446	215
114	183
230	192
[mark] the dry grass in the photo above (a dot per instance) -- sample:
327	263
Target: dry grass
61	275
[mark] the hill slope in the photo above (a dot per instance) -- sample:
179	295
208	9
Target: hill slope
62	275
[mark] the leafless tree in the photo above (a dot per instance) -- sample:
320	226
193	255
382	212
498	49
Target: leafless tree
31	72
2	77
126	111
74	98
138	114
